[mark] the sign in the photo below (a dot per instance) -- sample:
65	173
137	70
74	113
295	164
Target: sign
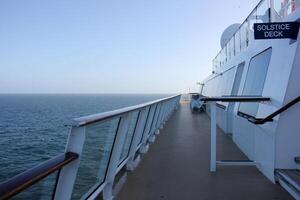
276	30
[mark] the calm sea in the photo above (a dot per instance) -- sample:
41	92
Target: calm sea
34	128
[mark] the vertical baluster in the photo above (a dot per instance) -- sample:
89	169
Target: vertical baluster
132	162
115	157
157	124
153	125
166	113
178	99
153	119
161	119
145	146
157	118
213	137
272	11
67	175
169	110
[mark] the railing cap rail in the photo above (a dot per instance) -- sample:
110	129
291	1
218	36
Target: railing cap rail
236	99
86	120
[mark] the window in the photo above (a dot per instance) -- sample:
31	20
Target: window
255	80
225	85
237	79
220	85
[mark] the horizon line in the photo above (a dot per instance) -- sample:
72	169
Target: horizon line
59	93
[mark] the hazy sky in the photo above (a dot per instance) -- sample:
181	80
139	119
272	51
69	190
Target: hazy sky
110	46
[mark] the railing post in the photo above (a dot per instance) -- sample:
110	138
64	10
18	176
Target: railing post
115	156
272	10
158	116
213	136
132	163
169	110
145	146
178	100
153	126
166	113
67	175
161	119
155	115
157	124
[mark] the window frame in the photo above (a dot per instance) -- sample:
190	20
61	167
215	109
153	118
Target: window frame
244	114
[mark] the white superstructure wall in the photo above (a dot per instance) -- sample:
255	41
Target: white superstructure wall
273	144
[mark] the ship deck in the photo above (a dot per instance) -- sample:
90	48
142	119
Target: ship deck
177	166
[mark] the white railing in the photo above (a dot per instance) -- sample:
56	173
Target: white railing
265	11
108	142
99	146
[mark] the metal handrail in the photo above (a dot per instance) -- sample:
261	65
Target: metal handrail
83	121
24	180
236	99
274	114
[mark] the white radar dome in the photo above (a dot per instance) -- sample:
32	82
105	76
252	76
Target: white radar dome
228	33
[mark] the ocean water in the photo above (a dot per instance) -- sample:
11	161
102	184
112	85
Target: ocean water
34	128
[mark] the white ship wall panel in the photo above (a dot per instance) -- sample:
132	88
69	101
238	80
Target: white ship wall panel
273	145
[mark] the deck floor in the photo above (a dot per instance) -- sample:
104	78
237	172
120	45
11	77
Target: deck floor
177	167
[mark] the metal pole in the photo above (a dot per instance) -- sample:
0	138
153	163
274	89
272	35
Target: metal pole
213	136
115	156
133	162
271	13
67	176
145	146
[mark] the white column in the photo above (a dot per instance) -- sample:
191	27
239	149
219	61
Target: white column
272	10
153	124
166	112
115	156
161	120
67	175
158	116
145	146
158	122
132	163
213	136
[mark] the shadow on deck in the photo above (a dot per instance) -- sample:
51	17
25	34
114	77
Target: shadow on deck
177	167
